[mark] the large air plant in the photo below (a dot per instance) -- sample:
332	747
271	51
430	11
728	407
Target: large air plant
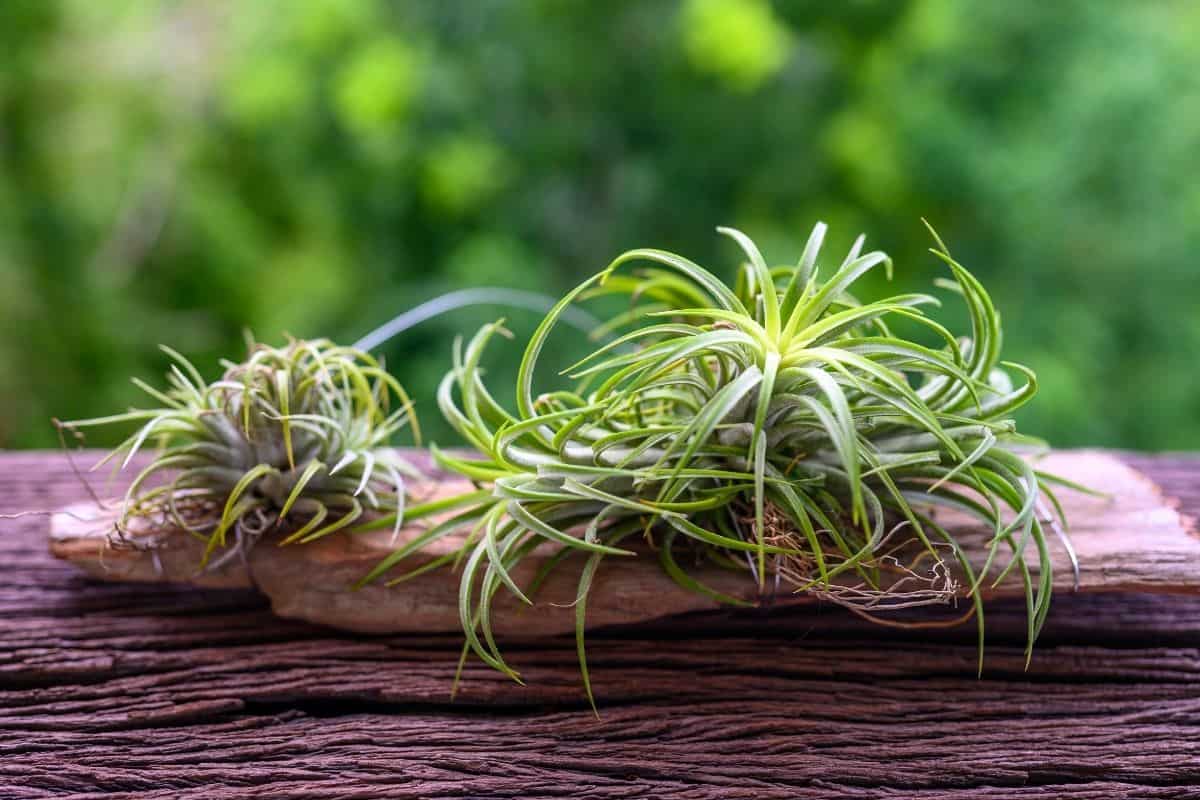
289	439
780	427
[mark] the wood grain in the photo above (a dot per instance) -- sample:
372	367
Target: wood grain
120	690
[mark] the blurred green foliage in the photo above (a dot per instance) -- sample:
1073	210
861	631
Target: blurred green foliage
177	170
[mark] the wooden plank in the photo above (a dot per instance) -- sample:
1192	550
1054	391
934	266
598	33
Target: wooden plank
1133	541
153	691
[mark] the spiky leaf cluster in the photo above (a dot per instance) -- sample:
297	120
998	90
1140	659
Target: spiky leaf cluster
780	426
292	434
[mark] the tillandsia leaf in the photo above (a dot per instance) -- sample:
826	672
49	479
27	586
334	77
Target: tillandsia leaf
292	436
780	427
804	273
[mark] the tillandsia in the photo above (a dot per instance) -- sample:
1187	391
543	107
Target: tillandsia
780	426
292	438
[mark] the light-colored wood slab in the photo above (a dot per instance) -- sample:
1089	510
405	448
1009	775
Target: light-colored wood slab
1133	541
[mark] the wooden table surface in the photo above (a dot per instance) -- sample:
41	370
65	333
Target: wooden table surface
140	691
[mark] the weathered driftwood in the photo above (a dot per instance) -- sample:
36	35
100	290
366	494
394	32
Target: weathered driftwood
152	691
1133	541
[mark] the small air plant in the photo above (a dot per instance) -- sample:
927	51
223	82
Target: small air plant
779	427
291	438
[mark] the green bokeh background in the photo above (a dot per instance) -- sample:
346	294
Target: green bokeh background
178	170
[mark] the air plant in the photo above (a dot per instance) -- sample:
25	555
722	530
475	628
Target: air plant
291	438
780	427
294	438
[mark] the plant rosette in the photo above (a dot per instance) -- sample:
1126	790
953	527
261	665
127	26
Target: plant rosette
781	427
292	442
